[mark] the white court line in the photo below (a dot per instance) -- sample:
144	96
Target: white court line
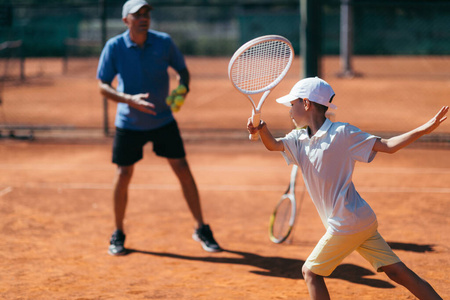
225	188
6	191
218	168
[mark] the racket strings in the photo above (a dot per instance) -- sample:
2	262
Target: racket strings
261	65
281	225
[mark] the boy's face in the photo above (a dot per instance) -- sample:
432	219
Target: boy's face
297	112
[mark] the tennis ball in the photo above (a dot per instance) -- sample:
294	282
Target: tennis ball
178	100
170	100
181	89
174	107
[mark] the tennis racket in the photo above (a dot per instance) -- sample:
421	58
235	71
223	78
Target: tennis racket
283	217
258	66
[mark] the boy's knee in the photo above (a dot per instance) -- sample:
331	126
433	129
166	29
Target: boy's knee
308	275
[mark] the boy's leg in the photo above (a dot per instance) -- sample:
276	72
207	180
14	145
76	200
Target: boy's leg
317	288
380	255
326	256
401	274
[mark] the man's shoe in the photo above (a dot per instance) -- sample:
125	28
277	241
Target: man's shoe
117	241
205	237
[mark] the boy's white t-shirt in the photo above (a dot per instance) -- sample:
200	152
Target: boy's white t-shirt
327	160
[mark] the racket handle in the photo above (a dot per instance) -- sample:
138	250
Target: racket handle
255	121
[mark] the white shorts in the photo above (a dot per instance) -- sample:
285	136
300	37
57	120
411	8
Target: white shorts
332	249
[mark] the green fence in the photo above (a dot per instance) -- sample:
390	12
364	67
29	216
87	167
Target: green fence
380	27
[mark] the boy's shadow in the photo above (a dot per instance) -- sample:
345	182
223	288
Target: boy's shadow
279	266
291	268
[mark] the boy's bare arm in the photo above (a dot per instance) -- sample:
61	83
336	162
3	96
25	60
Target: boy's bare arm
266	137
398	142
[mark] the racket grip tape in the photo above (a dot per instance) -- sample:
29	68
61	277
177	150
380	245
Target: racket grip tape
255	121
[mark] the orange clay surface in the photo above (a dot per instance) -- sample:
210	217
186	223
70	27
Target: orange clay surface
56	208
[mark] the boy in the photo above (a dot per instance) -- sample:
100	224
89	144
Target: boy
327	153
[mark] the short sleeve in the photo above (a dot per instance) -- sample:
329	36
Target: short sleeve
106	70
291	144
360	144
176	60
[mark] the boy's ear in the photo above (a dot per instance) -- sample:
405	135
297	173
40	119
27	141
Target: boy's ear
306	104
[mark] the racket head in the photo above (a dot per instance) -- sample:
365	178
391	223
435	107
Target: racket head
260	64
282	219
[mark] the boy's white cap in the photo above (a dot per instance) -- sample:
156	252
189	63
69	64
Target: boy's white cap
315	89
132	6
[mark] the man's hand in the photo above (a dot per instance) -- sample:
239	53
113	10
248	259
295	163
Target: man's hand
176	99
139	102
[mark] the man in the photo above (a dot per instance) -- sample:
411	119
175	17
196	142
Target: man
140	58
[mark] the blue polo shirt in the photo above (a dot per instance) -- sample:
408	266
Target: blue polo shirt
141	70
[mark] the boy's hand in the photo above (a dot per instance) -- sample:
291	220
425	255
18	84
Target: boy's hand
251	129
436	121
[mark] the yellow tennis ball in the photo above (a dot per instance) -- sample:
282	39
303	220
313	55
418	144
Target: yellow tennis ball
169	100
181	89
174	107
178	100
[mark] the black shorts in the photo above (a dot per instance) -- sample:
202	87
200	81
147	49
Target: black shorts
128	144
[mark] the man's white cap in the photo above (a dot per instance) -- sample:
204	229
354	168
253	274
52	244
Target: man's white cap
132	6
315	89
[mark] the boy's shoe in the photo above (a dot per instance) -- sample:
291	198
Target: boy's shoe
205	237
116	244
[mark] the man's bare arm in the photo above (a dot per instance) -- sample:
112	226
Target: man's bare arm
137	101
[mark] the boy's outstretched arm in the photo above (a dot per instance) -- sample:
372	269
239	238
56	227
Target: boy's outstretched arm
266	137
398	142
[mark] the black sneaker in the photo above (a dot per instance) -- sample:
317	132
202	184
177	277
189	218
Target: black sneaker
116	244
205	237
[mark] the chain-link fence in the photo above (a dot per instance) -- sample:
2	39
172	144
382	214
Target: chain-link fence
61	42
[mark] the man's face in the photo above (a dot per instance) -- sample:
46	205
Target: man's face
139	21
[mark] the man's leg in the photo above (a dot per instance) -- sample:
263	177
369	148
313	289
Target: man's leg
316	285
120	200
203	233
401	274
181	168
120	197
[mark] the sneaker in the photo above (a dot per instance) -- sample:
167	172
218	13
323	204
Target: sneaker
205	237
116	244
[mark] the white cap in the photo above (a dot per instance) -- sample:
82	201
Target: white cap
314	89
132	6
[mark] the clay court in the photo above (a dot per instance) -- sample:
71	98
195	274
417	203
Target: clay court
56	207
